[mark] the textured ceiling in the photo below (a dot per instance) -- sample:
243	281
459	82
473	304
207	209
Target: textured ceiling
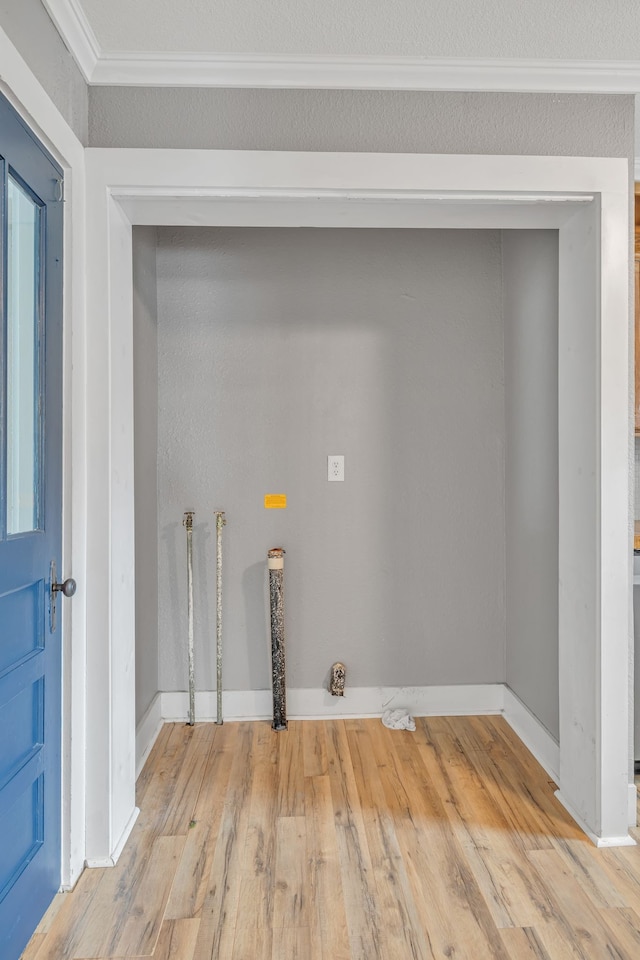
585	30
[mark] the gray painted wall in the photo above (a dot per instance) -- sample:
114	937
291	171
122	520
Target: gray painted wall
279	347
145	424
530	306
30	29
538	124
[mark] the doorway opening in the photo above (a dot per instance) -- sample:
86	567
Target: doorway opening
429	357
585	202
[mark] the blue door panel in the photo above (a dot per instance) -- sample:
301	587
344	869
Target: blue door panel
13	681
22	725
23	624
30	654
15	788
29	893
21	827
25	549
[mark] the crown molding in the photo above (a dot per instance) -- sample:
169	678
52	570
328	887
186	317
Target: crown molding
364	73
173	69
76	32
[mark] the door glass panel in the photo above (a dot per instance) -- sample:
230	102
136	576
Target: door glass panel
23	360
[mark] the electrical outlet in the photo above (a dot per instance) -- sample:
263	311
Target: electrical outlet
335	467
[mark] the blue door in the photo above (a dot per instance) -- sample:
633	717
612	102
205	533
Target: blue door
31	214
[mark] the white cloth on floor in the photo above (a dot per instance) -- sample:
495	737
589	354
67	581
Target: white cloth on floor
398	719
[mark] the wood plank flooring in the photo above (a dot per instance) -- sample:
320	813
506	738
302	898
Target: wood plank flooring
342	840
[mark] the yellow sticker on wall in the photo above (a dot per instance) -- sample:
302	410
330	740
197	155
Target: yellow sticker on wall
275	501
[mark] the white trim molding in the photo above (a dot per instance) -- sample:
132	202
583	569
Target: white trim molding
114	856
624	840
128	187
147	731
77	33
533	734
281	71
318	704
365	73
38	111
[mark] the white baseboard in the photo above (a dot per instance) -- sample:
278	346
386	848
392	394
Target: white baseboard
111	860
236	705
624	841
312	704
533	734
147	731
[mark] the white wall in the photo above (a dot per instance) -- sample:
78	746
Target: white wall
530	306
278	347
145	380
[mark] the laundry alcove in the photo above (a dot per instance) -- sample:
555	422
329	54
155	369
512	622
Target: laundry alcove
267	348
442	332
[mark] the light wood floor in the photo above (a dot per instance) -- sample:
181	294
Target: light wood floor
341	840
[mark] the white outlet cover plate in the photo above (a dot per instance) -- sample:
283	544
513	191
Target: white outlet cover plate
335	467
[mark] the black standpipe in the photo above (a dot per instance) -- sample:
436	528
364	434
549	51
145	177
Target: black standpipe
276	599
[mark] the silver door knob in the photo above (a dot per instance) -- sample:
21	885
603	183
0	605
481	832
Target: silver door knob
67	587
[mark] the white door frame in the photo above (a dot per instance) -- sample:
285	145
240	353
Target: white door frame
587	200
30	100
